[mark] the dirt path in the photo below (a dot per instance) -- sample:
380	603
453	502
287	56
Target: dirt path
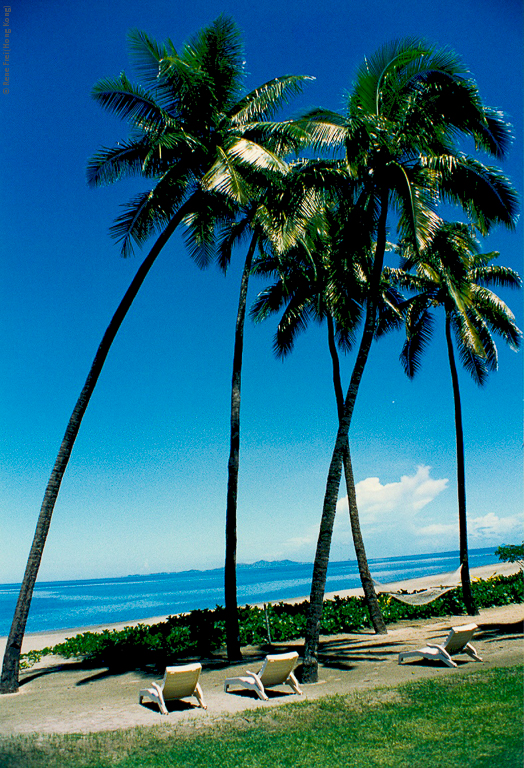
58	696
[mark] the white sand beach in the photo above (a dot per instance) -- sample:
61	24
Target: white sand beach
59	695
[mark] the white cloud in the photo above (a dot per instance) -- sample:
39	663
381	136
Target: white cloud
410	494
482	531
493	527
308	539
414	514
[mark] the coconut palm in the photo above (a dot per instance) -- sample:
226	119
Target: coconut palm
328	281
451	274
189	112
409	106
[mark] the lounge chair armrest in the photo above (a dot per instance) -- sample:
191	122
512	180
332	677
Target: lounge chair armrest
256	678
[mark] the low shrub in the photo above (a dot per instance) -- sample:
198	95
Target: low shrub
202	632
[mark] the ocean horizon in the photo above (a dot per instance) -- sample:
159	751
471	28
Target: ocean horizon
58	605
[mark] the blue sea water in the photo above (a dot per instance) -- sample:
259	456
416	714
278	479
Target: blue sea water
70	604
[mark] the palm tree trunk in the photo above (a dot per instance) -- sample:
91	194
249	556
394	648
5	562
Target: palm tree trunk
318	583
366	580
234	652
461	480
11	663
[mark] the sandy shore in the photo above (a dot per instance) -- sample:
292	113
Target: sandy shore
35	641
58	695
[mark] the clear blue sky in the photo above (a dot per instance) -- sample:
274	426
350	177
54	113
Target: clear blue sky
146	485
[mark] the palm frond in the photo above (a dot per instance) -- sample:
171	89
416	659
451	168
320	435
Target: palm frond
325	129
204	227
185	93
217	51
484	192
255	156
495	136
268	301
419	329
110	164
224	177
495	274
129	102
147	212
233	234
262	104
465	329
496	314
282	138
472	357
418	219
146	54
294	321
381	72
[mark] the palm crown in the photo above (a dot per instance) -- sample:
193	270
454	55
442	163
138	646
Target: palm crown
409	105
191	126
452	273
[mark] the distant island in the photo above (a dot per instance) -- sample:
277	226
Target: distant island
271	564
240	566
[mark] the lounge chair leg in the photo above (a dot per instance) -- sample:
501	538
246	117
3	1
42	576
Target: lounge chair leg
293	683
199	696
259	687
472	652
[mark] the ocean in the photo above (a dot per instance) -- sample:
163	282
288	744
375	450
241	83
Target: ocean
70	604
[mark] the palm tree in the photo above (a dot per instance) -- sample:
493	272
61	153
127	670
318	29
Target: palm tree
452	274
328	281
409	106
190	113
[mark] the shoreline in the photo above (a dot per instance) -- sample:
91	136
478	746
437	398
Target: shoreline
35	641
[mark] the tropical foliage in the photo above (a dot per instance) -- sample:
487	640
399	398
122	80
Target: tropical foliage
511	553
202	632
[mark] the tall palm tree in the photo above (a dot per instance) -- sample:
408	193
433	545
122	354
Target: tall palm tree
190	112
328	281
408	108
452	274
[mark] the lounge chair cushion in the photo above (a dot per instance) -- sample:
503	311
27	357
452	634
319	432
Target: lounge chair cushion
178	683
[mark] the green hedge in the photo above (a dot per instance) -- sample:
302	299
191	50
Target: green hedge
202	632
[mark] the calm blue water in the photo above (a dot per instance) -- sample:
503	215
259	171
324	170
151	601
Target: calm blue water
69	604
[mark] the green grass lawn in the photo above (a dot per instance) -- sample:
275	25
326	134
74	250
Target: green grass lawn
464	719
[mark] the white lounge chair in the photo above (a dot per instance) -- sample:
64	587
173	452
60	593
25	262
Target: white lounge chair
456	642
277	669
178	683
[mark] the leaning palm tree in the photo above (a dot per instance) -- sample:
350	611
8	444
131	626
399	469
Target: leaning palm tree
189	112
451	274
408	108
327	279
